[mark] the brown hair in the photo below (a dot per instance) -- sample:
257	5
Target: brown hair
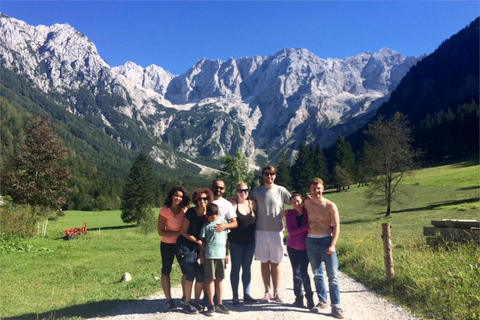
316	181
271	168
197	192
185	198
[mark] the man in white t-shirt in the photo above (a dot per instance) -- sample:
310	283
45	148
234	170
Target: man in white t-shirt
225	207
269	200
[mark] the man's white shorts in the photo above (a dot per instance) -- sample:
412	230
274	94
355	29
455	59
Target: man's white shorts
269	246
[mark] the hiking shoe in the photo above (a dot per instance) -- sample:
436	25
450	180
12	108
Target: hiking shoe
266	297
298	304
190	309
170	306
210	311
320	306
277	297
337	312
248	299
235	301
222	309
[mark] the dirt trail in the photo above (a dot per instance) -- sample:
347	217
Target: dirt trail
358	303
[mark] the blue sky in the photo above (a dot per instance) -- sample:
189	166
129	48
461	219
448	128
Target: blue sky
176	34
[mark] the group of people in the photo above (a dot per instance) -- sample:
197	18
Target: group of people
201	238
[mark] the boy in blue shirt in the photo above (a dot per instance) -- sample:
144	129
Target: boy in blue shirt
215	259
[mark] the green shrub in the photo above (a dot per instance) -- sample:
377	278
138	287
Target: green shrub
17	219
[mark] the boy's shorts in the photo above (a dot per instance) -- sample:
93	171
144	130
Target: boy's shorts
214	269
269	246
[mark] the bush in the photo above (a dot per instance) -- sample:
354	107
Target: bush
17	219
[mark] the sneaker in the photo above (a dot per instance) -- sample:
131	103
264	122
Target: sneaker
277	297
337	312
310	304
182	302
248	299
190	309
320	306
222	309
199	306
266	297
170	306
210	311
298	304
235	301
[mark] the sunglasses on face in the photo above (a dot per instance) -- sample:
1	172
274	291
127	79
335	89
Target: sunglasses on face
269	174
202	199
218	188
242	190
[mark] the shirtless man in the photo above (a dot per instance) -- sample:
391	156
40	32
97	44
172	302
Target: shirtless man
322	237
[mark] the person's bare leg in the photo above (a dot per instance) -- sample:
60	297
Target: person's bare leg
275	270
218	290
188	291
198	291
184	281
209	289
166	287
266	275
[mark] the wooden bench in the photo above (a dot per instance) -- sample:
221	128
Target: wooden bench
455	230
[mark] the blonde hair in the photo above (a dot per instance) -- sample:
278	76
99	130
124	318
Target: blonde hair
249	202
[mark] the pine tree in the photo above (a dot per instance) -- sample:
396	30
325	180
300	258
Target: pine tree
345	157
301	170
283	172
319	163
138	196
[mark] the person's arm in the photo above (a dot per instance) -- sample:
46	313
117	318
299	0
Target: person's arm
184	232
162	223
201	254
335	221
226	250
231	217
292	225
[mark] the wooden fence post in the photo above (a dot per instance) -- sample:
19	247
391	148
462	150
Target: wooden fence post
387	252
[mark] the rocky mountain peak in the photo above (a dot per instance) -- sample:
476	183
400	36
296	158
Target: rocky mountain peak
257	102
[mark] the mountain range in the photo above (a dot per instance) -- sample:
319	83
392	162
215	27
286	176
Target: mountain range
258	105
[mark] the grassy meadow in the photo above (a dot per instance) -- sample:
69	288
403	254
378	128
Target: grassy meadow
50	278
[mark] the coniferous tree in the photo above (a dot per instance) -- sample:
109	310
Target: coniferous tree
319	163
301	170
345	157
138	196
341	177
283	172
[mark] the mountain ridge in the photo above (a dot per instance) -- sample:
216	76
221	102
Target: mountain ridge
254	104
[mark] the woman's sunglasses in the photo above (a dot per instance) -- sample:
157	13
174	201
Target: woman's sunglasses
242	190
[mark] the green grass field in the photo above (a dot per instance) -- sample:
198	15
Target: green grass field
50	278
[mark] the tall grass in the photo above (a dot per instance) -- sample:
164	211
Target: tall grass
434	281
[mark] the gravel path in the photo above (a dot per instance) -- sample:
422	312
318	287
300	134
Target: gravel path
358	303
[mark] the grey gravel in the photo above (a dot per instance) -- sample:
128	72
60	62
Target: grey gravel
357	302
